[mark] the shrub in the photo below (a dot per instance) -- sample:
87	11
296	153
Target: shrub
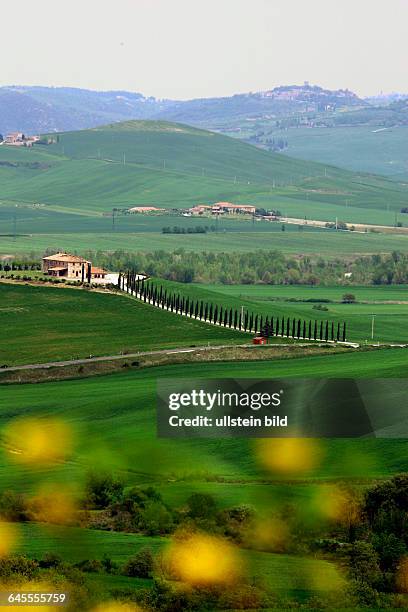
102	490
13	506
140	565
18	565
50	560
349	298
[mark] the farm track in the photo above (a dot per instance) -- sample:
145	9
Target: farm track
176	351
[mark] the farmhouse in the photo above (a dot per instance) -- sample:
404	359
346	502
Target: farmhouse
18	139
67	266
73	267
221	208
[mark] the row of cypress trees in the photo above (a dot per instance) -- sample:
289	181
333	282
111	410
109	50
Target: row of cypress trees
230	317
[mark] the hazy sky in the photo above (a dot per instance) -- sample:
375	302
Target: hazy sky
201	48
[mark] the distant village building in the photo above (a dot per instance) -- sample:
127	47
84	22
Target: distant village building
18	139
144	209
74	267
221	208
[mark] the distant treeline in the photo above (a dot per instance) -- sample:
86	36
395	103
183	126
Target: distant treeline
233	268
259	267
198	229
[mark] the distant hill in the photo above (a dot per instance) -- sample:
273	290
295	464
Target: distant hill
277	102
60	109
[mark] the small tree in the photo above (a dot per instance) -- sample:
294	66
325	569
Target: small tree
349	298
140	565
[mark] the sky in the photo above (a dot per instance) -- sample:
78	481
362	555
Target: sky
183	49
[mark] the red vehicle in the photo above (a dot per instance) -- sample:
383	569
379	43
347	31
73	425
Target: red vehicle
259	340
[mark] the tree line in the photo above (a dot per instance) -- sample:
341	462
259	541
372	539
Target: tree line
232	318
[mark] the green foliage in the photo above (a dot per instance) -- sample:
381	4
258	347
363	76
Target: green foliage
17	566
101	490
141	565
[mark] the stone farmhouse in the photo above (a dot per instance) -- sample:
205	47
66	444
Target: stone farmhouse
74	267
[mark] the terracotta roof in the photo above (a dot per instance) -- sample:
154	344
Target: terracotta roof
96	270
66	257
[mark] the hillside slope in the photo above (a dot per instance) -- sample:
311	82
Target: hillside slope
173	166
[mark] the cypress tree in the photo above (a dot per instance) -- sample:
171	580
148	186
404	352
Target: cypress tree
201	312
332	330
338	331
315	331
235	319
298	329
210	312
287	327
326	336
196	310
221	315
310	330
240	320
256	324
277	327
293	327
321	330
261	324
283	326
225	318
215	314
304	330
344	331
230	318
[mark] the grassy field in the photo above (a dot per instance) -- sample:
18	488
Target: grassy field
281	572
55	324
362	148
114	425
61	196
328	244
391	321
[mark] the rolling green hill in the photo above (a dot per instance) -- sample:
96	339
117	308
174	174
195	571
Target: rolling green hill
172	165
56	324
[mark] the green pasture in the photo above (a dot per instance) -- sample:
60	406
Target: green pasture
391	320
326	243
174	166
360	148
50	323
280	572
272	293
113	418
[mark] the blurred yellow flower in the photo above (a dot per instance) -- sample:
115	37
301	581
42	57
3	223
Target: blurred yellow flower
38	441
335	503
8	538
289	456
269	535
204	560
54	504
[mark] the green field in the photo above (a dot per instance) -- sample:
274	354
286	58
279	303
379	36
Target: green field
113	417
361	148
391	321
281	572
63	194
55	324
326	243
